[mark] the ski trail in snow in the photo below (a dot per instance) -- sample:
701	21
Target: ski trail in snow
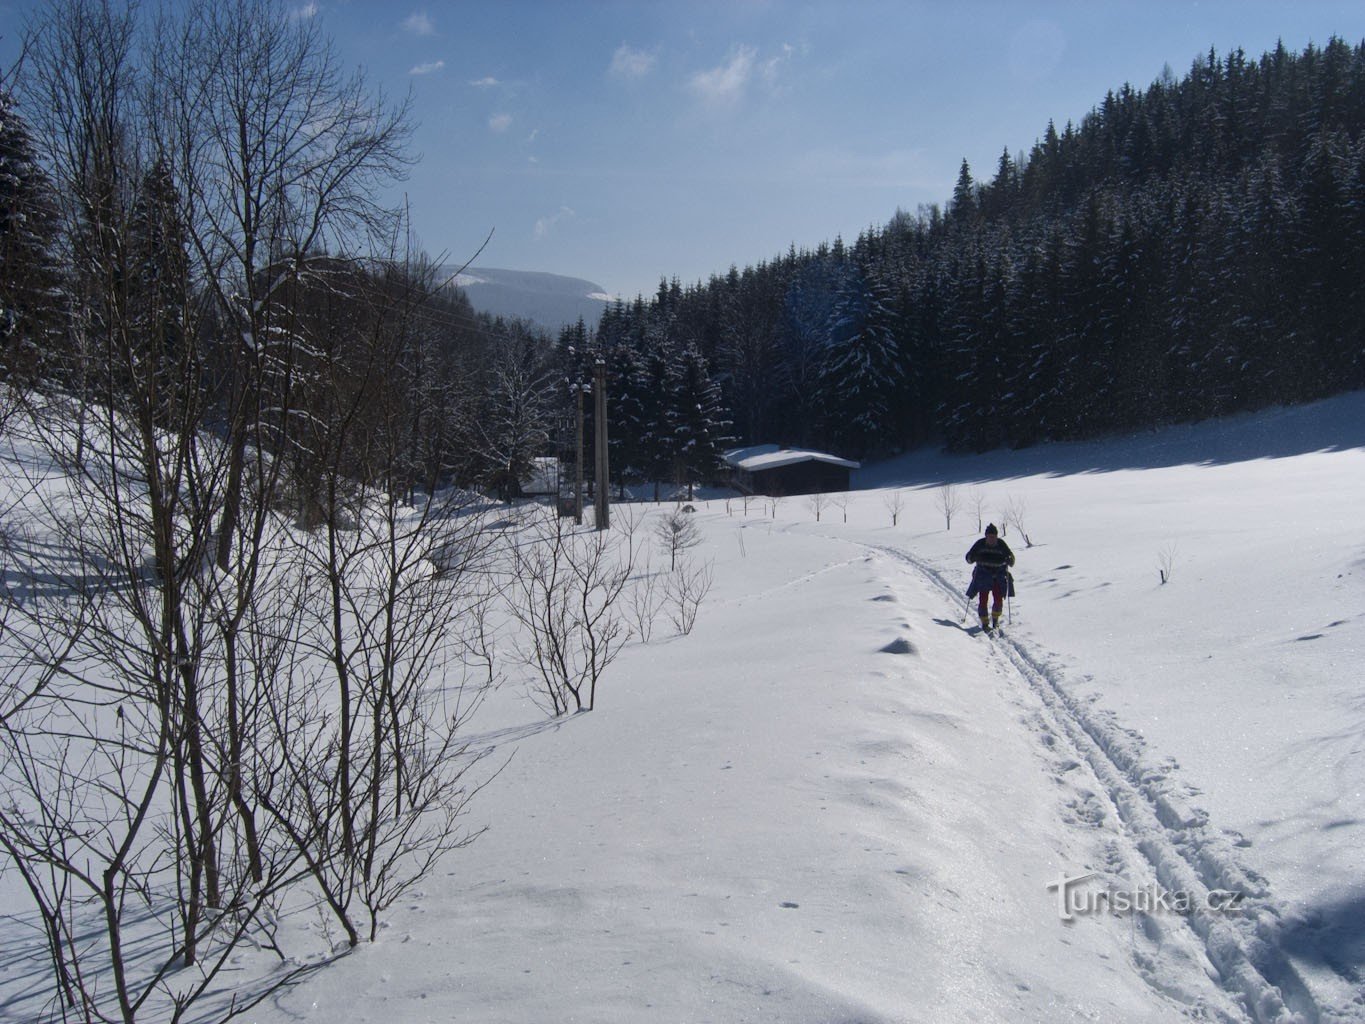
1185	853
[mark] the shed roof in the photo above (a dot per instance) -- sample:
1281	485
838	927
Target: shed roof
770	456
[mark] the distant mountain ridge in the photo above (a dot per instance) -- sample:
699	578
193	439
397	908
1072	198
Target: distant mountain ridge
550	300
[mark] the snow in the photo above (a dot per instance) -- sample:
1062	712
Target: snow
831	801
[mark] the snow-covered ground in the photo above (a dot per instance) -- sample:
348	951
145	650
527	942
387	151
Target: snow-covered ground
833	802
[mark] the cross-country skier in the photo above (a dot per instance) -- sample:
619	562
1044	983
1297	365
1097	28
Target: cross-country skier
991	577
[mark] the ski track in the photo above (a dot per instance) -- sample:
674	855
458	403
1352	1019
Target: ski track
1176	842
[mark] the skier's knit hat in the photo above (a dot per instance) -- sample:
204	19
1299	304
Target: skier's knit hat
990	528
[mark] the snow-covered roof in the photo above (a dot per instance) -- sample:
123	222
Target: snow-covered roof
770	456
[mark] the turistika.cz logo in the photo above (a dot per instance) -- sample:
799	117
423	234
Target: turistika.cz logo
1075	899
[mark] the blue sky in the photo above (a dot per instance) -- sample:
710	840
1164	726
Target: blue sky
627	141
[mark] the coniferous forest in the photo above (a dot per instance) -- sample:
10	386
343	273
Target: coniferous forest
1188	250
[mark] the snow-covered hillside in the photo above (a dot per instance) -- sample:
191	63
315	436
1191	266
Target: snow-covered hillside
551	300
834	801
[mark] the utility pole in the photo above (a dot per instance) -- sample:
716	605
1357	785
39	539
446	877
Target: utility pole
578	387
601	511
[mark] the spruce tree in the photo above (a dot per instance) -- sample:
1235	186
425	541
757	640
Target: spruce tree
30	297
964	207
862	371
657	443
700	428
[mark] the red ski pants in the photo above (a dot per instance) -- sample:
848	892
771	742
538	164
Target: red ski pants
996	591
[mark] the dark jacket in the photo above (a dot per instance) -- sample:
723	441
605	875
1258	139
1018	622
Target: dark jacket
992	567
991	556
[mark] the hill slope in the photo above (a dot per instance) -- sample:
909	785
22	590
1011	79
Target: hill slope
551	300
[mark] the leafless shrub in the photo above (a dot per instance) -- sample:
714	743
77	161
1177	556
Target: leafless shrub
977	498
948	501
563	591
644	600
1016	515
675	533
895	504
1165	561
397	644
686	587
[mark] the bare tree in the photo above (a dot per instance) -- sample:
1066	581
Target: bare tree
978	505
1015	515
400	632
948	501
282	154
141	486
840	501
170	766
514	423
895	504
677	532
817	503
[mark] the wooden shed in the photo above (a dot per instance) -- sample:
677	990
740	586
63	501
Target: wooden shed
773	470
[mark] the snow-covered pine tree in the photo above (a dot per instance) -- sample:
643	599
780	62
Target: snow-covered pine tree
657	447
158	295
807	307
626	413
700	427
862	370
29	282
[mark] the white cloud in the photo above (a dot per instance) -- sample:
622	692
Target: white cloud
427	69
547	224
630	63
419	24
725	84
306	11
771	69
500	123
487	82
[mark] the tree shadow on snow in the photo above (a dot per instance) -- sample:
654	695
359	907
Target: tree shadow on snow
1331	934
1331	425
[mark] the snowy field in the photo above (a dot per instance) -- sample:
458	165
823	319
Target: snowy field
833	802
